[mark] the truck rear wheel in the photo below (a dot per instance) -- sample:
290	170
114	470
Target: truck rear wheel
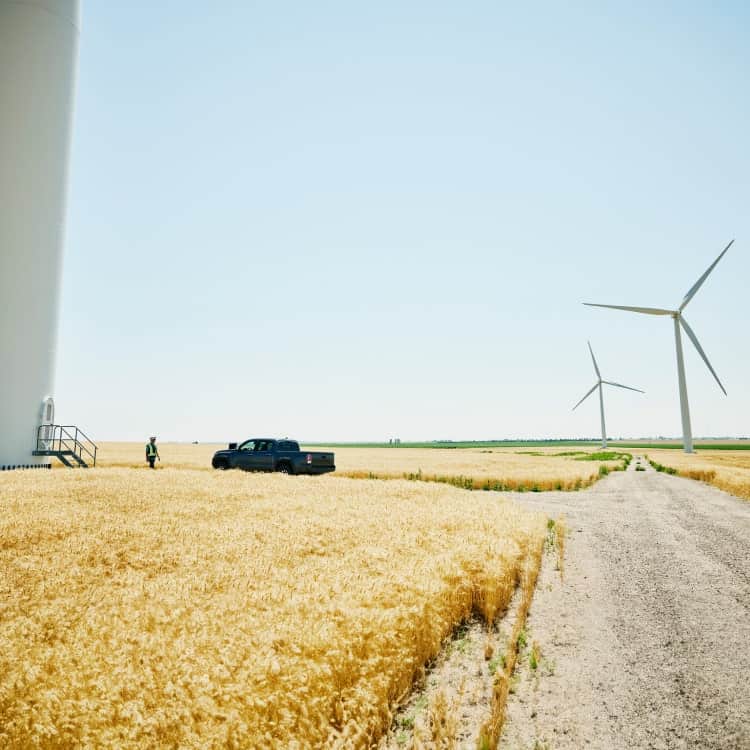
284	468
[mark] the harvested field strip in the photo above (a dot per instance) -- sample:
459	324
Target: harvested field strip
476	469
484	483
727	470
461	700
200	609
608	461
489	733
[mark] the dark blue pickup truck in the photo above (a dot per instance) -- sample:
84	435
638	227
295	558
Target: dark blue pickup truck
266	454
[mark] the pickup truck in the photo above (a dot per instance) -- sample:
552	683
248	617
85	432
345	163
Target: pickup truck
266	454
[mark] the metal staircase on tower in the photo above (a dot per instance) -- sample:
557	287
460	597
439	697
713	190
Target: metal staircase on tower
66	443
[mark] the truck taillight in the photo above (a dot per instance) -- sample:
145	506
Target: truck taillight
309	458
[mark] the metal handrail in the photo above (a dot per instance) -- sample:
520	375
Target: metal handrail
62	435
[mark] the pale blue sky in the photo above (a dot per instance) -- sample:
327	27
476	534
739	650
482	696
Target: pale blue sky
341	221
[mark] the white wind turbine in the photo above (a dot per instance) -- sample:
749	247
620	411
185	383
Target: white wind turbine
599	383
679	320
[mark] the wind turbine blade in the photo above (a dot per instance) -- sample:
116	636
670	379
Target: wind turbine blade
700	281
644	310
593	359
585	397
620	385
694	339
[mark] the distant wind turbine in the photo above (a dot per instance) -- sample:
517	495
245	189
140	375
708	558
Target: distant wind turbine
679	320
599	383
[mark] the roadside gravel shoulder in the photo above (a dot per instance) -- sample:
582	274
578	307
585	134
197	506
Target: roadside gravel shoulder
646	641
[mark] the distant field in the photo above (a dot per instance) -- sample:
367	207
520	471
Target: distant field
727	469
449	444
699	445
562	444
194	609
535	469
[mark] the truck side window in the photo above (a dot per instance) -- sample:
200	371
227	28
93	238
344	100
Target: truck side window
248	446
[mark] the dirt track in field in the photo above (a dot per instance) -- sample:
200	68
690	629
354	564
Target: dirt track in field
646	642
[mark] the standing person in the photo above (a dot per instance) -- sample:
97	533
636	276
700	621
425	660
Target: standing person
152	452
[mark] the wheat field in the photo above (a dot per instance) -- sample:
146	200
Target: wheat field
726	469
199	609
501	468
509	468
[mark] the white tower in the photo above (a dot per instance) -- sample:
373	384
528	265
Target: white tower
38	52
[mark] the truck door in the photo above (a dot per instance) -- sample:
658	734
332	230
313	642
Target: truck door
245	455
264	455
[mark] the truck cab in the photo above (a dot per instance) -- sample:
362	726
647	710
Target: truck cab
269	454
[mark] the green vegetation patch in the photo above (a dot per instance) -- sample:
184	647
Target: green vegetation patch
660	467
599	456
626	458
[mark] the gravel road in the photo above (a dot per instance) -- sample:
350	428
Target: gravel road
646	642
